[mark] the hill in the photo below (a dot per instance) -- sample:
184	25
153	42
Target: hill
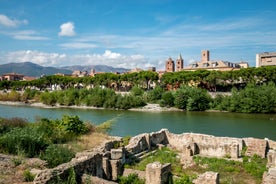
97	68
31	69
35	70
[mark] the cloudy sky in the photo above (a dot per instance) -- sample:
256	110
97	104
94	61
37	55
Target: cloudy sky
134	33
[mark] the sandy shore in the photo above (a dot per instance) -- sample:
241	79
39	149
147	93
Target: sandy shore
147	108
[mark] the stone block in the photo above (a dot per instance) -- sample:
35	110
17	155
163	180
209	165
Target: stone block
256	147
207	178
270	176
117	154
116	169
156	173
271	158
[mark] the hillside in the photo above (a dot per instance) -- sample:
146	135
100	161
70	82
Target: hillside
35	70
98	68
31	69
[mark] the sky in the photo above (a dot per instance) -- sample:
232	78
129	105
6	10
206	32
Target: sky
134	33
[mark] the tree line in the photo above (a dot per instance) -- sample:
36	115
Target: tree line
252	90
210	80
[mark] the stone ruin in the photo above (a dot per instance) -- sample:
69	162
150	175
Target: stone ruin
105	164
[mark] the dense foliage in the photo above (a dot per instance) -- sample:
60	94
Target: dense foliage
252	99
44	138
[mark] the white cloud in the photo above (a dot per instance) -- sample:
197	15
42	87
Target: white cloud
56	59
28	35
25	35
8	22
67	29
78	45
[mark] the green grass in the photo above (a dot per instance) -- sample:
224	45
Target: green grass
251	169
164	155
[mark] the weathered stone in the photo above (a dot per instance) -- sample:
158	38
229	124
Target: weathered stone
117	154
207	178
256	147
156	173
116	169
138	144
107	168
270	176
159	137
272	144
87	179
271	158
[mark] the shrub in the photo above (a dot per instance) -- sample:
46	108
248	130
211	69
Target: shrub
155	94
184	179
28	176
192	98
56	155
73	125
25	140
167	99
136	91
8	124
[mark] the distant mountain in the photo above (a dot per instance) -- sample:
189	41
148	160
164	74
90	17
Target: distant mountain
35	70
97	68
31	69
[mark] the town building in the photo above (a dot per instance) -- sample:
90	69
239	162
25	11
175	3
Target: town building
204	64
179	63
207	64
266	59
12	77
169	65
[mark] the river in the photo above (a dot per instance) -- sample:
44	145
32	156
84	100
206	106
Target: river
133	123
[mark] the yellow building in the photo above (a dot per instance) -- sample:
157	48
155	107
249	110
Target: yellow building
266	59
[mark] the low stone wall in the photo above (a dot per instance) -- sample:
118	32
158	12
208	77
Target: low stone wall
256	147
206	145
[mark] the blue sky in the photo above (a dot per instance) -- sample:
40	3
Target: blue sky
134	33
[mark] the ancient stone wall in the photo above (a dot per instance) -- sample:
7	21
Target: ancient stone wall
206	145
256	147
107	162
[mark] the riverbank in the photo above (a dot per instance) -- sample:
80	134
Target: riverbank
147	108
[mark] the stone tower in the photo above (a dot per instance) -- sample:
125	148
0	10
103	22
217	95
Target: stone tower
169	65
205	55
179	63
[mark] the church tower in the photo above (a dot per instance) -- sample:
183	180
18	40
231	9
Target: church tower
179	63
205	55
169	65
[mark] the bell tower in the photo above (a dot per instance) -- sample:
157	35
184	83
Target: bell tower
205	55
179	63
169	65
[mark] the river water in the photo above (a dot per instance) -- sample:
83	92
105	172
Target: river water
133	123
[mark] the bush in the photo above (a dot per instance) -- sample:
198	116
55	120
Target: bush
73	125
184	179
25	140
155	94
136	91
8	124
56	155
251	99
28	176
192	98
167	99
